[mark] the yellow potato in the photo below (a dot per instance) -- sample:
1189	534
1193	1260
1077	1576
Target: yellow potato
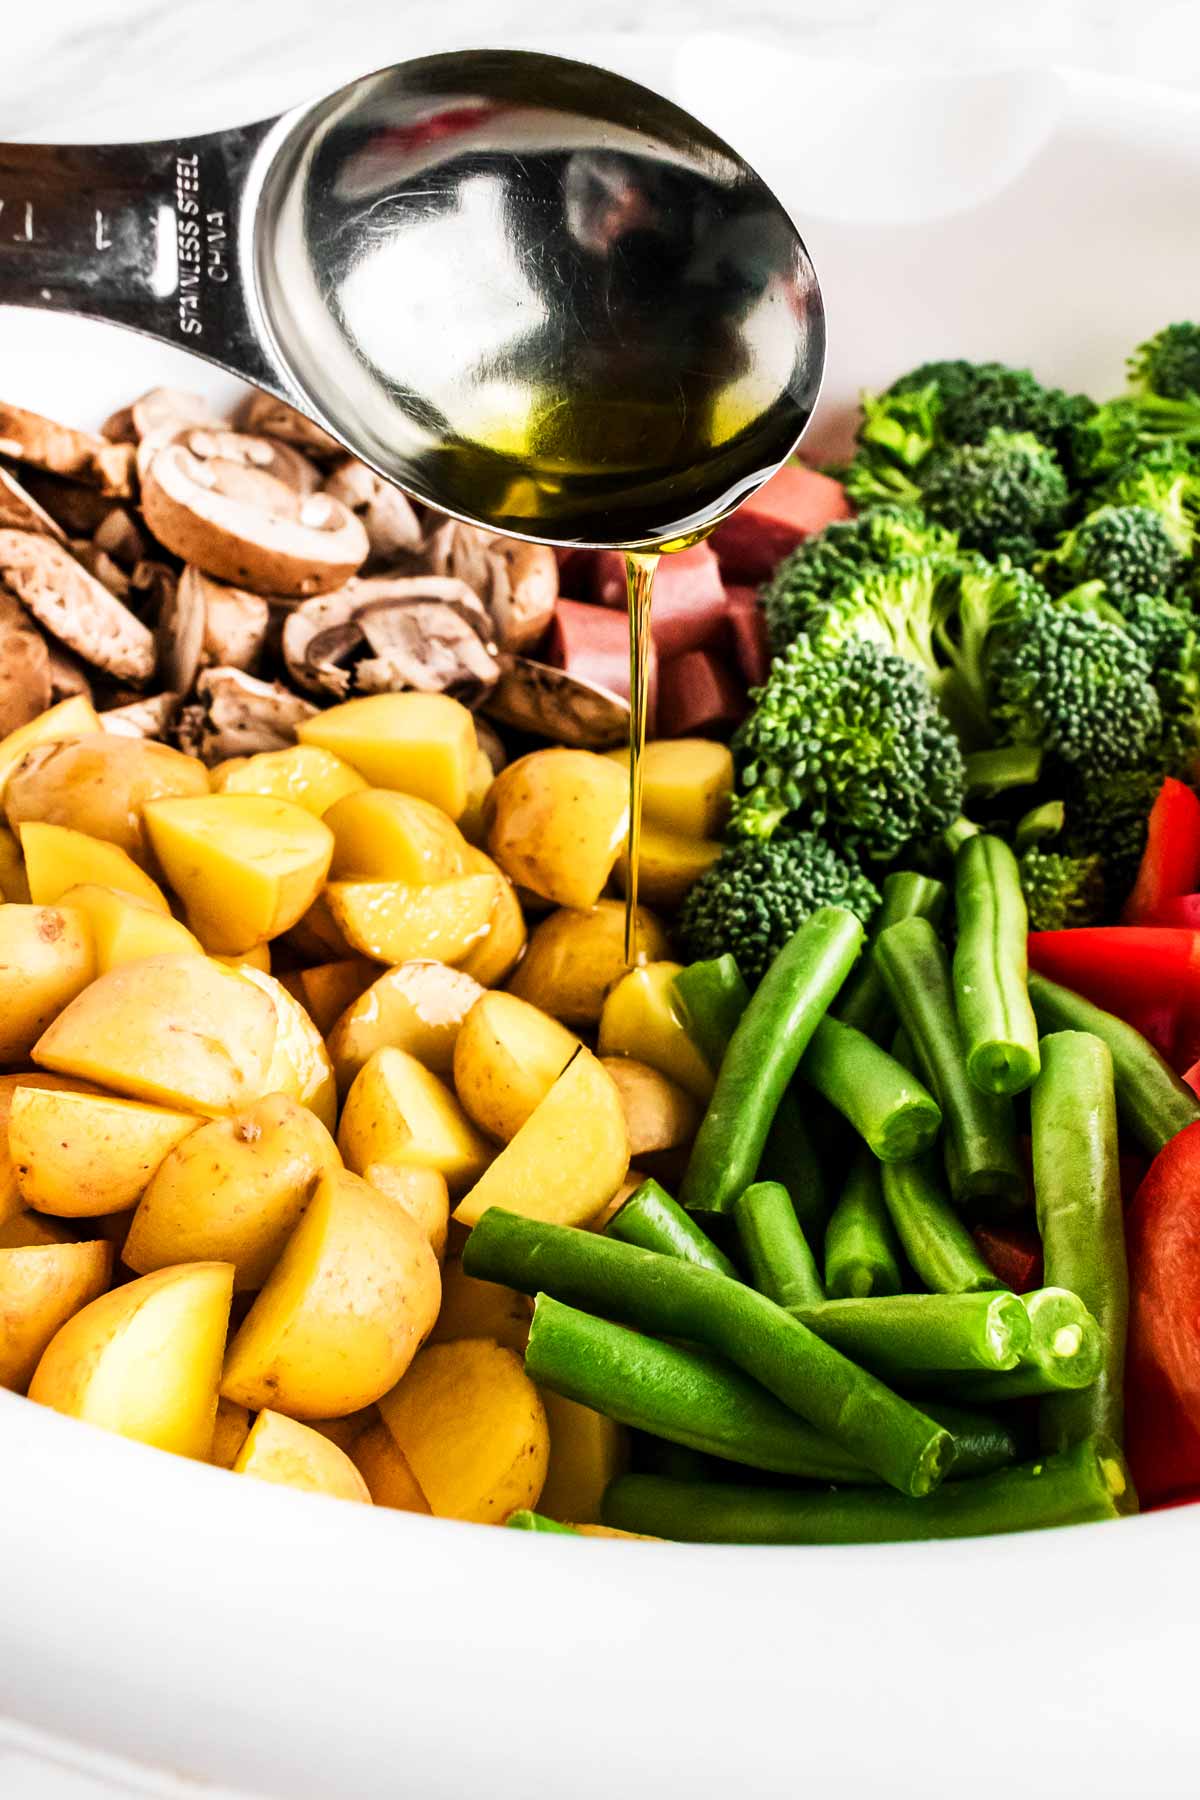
380	835
421	1192
587	1451
13	882
259	957
345	1309
417	1006
46	959
316	937
495	955
346	1432
668	865
640	1019
308	777
632	1182
245	867
40	1289
384	1467
481	1309
57	858
686	784
125	929
507	1058
472	1428
568	1158
300	1066
397	1111
280	1450
473	823
72	718
25	1230
230	1432
422	744
99	785
327	989
233	1191
575	956
396	922
178	1030
556	822
10	1193
659	1114
81	1154
145	1360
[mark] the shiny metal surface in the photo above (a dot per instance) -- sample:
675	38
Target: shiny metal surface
531	292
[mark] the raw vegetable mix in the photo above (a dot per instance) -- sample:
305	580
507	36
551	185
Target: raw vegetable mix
340	1146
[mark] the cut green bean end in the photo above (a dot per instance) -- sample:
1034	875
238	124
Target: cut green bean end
997	1067
909	1132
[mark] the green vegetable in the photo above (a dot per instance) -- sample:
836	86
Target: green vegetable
1064	1352
1077	1180
525	1520
789	1157
889	1108
777	1254
935	1240
653	1221
1061	892
806	578
982	1160
863	1002
757	894
1004	495
770	1039
1153	1104
1168	364
1086	1483
712	997
895	1338
862	1256
1131	549
673	1299
996	1022
992	772
970	399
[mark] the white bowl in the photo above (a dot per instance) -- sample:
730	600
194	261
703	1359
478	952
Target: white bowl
162	1624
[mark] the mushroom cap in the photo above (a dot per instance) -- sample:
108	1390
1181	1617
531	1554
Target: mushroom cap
76	608
204	623
148	718
271	455
517	582
531	696
61	450
385	634
275	418
238	715
392	526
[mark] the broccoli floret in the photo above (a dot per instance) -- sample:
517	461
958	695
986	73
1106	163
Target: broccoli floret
892	604
1061	891
1127	428
983	603
852	740
1131	549
813	571
969	399
1106	817
756	895
1005	496
904	426
1168	364
1077	683
1165	479
1168	635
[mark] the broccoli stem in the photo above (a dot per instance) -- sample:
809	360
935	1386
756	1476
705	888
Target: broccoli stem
992	772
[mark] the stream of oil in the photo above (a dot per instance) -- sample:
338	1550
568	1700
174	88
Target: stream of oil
639	585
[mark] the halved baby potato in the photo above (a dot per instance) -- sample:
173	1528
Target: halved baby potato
640	1019
41	1287
304	774
382	835
497	953
668	865
126	929
421	1192
507	1057
10	1193
300	1065
100	785
686	784
398	921
398	1111
556	822
46	960
422	744
72	718
575	956
58	858
385	1469
283	1451
77	1154
418	1007
659	1114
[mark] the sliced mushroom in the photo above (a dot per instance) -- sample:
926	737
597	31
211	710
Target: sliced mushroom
392	526
531	696
77	509
164	408
240	715
120	536
206	623
67	674
275	418
30	438
148	718
384	634
517	582
425	646
284	461
75	607
119	428
97	562
246	527
152	587
24	667
21	512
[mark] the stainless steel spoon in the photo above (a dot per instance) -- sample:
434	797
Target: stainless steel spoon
529	291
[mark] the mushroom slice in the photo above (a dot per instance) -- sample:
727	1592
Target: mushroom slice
284	461
240	715
24	667
518	582
531	696
246	527
204	622
148	718
74	606
30	438
77	509
169	409
67	675
19	510
100	564
326	640
270	417
392	526
121	537
423	645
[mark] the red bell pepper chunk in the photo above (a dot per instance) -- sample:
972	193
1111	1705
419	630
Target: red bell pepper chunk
1171	860
1014	1256
1181	909
1162	1398
1148	975
795	503
1192	1077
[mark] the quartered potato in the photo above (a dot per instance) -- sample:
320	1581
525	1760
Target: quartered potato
556	822
668	865
99	785
126	929
507	1057
41	1287
300	1064
421	1192
659	1114
422	744
283	1451
46	960
75	717
686	785
587	1451
496	953
640	1019
77	1155
397	921
398	1111
576	955
57	859
381	835
481	1309
418	1007
303	774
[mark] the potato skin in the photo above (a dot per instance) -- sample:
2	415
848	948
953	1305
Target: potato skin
659	1114
416	1006
41	1287
507	1057
46	960
99	784
556	822
575	955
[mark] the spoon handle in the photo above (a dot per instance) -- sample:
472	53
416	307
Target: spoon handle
140	235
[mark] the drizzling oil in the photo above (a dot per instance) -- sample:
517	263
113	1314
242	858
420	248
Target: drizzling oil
640	566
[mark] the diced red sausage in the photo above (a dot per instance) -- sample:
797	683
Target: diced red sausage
699	693
795	503
592	642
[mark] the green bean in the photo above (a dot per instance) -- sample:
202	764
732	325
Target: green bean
991	998
1076	1177
652	1220
941	1250
526	1520
776	1250
982	1159
982	1441
862	1255
992	772
888	1107
712	997
771	1037
1088	1482
673	1299
863	1002
1153	1104
1063	1354
790	1157
896	1337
